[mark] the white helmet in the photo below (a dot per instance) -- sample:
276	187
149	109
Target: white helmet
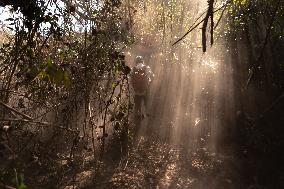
139	59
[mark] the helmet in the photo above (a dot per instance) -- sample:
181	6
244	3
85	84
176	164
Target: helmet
139	59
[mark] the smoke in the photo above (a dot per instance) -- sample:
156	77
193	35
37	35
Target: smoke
191	99
188	100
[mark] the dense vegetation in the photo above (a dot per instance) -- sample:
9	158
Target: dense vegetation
66	101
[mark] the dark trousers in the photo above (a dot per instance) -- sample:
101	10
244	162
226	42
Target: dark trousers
139	100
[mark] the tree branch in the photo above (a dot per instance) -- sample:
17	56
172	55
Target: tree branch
40	123
260	57
16	111
193	26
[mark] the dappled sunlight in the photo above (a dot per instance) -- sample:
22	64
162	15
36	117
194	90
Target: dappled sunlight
150	94
170	172
187	95
210	65
185	104
189	101
154	164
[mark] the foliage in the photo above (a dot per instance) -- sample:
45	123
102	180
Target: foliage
64	79
7	178
61	67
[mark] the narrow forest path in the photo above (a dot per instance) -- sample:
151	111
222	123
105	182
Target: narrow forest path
153	163
188	117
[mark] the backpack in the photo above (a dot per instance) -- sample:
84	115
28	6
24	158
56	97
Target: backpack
140	80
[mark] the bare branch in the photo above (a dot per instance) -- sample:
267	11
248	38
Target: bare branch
40	123
260	57
193	26
16	111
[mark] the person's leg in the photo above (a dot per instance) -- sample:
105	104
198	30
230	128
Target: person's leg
137	105
146	101
137	114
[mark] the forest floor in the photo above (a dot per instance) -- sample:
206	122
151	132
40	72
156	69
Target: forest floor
148	163
157	164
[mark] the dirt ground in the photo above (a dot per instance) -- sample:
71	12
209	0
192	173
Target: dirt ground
156	164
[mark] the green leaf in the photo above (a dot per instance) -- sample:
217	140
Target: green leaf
30	53
61	56
66	79
113	85
58	77
22	186
51	69
43	75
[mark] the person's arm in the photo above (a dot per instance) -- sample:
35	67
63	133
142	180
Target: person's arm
132	71
150	74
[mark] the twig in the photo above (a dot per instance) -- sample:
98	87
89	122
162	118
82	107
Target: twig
6	186
40	123
50	109
193	26
260	57
272	105
105	117
16	111
222	13
190	30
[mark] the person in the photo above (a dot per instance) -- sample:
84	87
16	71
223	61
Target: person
141	76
